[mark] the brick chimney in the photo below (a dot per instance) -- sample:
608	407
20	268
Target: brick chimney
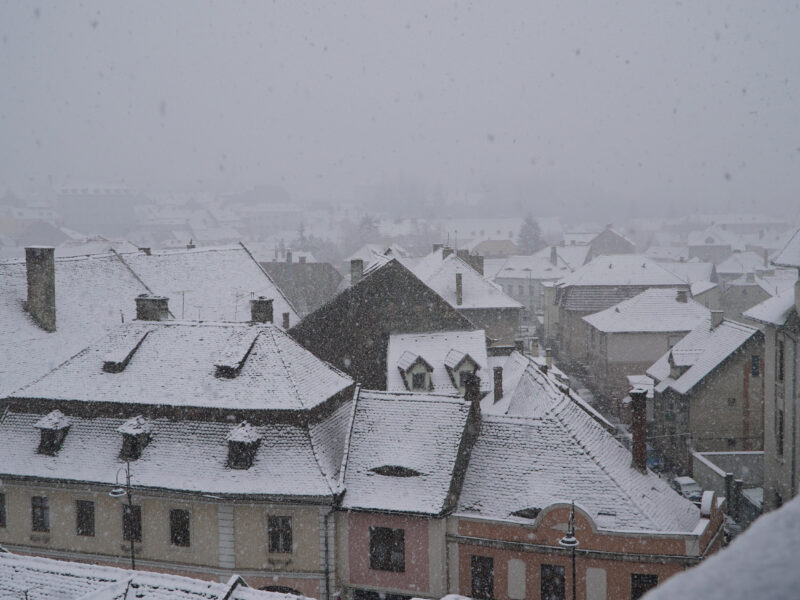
682	296
285	317
472	390
459	289
498	383
261	310
41	270
150	307
553	256
356	270
289	256
716	318
639	428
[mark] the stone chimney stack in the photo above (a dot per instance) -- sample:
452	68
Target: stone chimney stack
285	317
682	297
459	289
289	256
261	310
356	270
498	383
150	307
639	428
472	390
41	269
553	256
548	356
716	318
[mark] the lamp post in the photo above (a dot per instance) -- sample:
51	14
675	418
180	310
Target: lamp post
571	542
119	492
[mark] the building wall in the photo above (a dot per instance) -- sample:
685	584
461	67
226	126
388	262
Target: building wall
604	562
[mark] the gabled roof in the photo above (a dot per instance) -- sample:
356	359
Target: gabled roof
175	365
715	236
434	348
534	267
691	271
702	350
789	255
37	577
739	263
418	433
477	292
560	453
621	270
654	310
573	256
775	310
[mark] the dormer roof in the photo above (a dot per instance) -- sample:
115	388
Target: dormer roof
54	421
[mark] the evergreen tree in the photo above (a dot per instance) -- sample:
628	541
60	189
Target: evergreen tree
530	239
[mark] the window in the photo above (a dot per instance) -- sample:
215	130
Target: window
40	513
755	365
85	517
179	527
731	401
553	582
779	431
418	381
641	584
779	361
132	523
280	534
50	440
387	549
133	445
2	510
482	574
463	377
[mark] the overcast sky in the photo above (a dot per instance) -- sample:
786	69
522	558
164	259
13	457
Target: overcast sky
689	102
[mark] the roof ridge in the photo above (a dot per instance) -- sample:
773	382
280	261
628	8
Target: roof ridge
267	275
289	375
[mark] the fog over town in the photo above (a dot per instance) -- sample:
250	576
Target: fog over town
360	300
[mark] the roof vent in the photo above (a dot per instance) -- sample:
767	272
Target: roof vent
233	357
53	428
136	433
396	471
527	513
118	358
243	442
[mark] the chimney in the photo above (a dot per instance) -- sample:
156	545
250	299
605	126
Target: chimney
682	297
548	357
356	270
639	428
302	260
261	310
150	307
437	247
716	318
285	320
41	269
459	290
190	245
535	346
553	256
519	346
446	251
797	297
289	256
472	390
498	383
766	258
146	251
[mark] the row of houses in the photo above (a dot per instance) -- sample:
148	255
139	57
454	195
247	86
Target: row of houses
433	461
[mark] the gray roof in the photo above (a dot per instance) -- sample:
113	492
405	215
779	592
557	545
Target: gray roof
419	433
654	310
175	365
559	454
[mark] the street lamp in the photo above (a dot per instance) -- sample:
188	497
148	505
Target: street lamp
119	492
571	542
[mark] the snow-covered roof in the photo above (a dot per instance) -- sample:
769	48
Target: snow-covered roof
37	578
403	450
573	256
96	293
561	453
440	275
176	365
741	262
667	253
621	270
654	310
789	255
292	459
701	350
715	236
532	267
775	310
691	271
576	238
701	287
434	348
760	563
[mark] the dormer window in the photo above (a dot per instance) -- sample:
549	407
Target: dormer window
243	442
53	429
416	372
136	433
460	366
